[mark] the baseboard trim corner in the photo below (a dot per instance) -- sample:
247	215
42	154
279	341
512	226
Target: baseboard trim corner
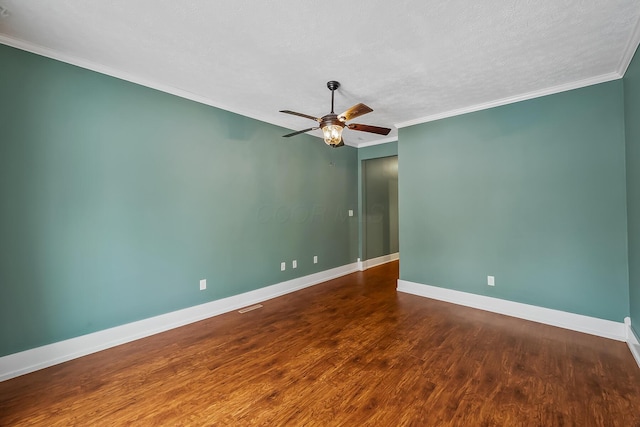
24	362
576	322
632	341
374	262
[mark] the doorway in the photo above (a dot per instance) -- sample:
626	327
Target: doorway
380	207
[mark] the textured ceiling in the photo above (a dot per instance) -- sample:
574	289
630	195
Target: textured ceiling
410	61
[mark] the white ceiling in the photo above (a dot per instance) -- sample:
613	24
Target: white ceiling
411	61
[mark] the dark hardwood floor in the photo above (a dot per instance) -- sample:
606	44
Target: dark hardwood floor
349	352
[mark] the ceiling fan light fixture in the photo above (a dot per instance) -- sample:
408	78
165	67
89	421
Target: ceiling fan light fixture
332	134
332	124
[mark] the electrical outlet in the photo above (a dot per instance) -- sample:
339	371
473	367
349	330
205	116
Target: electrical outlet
294	264
315	259
203	284
283	266
491	281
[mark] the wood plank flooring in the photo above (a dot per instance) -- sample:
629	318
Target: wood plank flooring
349	352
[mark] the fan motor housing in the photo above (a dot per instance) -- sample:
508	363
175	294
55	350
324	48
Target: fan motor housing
331	119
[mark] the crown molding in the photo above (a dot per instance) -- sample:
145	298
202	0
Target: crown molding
122	75
376	142
513	99
630	49
633	43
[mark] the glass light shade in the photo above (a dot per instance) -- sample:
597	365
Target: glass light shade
332	134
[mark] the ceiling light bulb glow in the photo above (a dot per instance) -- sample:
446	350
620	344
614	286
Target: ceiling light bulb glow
332	134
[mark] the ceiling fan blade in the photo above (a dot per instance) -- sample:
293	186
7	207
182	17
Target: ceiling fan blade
300	114
355	111
369	128
299	132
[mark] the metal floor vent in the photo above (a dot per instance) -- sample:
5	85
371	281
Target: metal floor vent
253	307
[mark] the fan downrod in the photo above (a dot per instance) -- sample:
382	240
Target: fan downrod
332	85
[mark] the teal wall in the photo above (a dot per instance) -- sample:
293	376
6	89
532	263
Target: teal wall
532	193
389	149
377	151
632	122
117	199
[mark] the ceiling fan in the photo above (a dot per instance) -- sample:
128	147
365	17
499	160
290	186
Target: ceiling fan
332	124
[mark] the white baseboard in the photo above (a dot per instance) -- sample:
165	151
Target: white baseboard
632	341
379	261
576	322
21	363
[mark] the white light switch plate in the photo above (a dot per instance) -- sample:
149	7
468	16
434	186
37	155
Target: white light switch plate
491	280
203	284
